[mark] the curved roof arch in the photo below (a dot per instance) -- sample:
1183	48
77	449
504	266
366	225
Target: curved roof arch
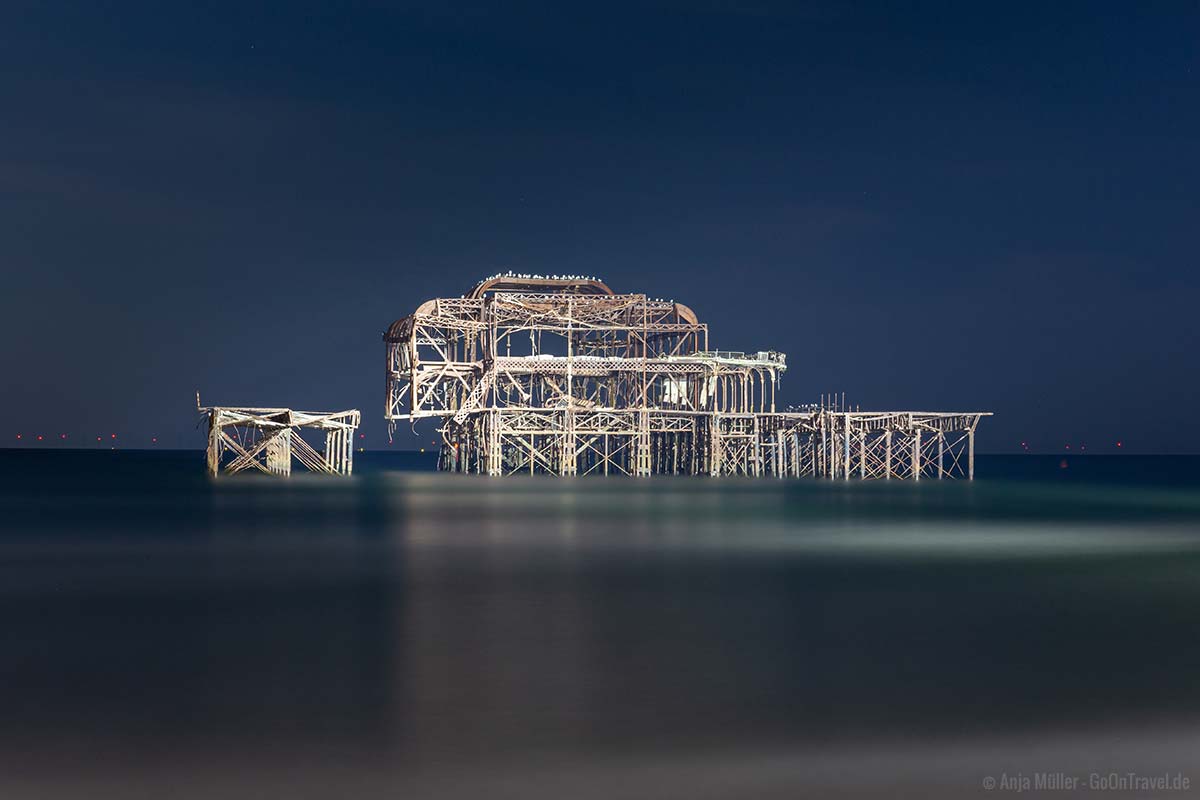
686	314
501	283
505	283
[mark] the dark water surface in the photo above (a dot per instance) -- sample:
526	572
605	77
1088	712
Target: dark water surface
405	633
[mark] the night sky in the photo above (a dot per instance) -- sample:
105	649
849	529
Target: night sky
931	206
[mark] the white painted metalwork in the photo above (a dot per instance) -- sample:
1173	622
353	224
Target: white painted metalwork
560	375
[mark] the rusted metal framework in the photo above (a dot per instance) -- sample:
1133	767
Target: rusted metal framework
269	439
560	375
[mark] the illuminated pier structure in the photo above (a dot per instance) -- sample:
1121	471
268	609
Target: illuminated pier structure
270	439
559	375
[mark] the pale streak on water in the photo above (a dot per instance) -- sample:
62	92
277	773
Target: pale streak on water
412	634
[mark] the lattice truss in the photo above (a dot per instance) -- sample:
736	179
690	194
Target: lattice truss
269	440
560	375
870	445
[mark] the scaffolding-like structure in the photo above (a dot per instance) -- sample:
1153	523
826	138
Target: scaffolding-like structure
269	439
559	375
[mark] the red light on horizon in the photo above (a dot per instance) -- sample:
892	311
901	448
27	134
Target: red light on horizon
18	436
1118	444
39	437
114	436
154	440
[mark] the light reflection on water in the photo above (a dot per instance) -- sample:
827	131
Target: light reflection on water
453	631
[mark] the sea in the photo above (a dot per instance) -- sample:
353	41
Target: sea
406	633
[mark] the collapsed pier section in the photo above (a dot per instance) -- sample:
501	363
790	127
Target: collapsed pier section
269	440
560	375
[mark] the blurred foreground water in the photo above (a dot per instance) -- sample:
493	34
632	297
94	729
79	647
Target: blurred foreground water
410	633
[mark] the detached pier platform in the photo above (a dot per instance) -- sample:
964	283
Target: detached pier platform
269	440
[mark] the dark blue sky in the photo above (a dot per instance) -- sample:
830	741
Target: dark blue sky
932	206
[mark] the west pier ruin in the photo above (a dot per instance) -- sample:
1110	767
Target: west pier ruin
560	375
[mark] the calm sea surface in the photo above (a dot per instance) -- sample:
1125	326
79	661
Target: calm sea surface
405	633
